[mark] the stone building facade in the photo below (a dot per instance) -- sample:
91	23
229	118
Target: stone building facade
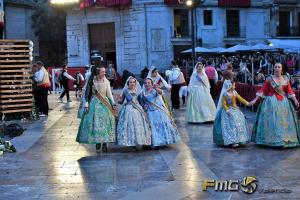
1	19
137	33
18	22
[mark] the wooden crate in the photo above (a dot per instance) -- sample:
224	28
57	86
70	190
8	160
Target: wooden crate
15	77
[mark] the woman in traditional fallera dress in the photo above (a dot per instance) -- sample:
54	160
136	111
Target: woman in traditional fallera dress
230	127
133	128
163	128
276	120
159	81
98	123
200	105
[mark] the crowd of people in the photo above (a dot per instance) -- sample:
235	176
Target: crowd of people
146	119
262	64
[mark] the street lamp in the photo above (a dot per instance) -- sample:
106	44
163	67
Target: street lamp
190	4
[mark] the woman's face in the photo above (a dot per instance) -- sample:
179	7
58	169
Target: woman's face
148	84
277	69
199	68
233	86
101	73
132	83
155	73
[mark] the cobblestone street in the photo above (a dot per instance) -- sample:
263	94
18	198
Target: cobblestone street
50	164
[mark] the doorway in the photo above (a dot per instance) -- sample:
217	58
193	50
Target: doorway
102	38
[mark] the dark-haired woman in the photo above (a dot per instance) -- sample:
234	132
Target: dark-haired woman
276	122
98	123
163	128
160	82
133	128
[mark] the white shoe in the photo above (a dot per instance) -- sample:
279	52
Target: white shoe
60	99
69	101
235	145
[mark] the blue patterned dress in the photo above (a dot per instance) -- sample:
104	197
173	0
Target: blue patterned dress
163	129
133	128
228	130
276	120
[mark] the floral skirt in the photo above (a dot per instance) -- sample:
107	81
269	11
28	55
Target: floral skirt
276	124
133	128
163	130
98	125
232	129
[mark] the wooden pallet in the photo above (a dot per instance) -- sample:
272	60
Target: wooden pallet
15	76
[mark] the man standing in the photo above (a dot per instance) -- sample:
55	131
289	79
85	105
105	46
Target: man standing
41	77
65	77
111	75
77	83
212	75
176	80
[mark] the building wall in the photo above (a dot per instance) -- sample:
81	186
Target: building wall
144	31
18	25
1	5
142	35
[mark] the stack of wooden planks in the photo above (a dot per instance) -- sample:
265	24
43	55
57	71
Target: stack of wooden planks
15	76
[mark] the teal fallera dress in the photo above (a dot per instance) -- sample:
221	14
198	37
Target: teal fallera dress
98	125
276	120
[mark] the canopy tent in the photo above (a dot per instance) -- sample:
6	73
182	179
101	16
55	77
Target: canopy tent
205	50
217	50
236	48
197	50
290	45
259	47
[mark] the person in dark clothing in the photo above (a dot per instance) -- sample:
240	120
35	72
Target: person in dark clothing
77	83
144	72
41	78
65	77
176	80
126	74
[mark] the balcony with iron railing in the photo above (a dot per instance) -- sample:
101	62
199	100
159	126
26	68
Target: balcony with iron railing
288	32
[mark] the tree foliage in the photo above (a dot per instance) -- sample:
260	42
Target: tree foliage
49	24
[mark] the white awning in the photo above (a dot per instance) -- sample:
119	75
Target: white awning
238	47
290	45
263	47
197	50
205	50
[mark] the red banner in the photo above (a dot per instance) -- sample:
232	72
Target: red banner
171	2
234	3
113	3
105	3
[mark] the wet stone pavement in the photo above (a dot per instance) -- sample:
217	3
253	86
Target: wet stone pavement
50	164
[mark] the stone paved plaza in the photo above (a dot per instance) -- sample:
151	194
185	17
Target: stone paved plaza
49	164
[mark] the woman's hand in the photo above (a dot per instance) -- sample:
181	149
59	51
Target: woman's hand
251	103
158	90
296	103
228	113
86	109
